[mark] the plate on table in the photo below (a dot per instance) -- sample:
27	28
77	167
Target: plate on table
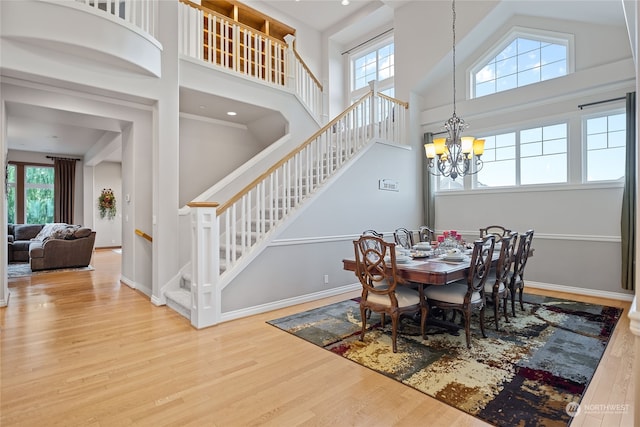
400	259
421	254
422	247
454	257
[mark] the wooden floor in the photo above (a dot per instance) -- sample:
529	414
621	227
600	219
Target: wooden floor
81	349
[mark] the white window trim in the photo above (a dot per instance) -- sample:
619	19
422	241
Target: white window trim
603	112
554	37
361	51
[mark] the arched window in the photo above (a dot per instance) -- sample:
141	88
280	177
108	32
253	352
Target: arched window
522	58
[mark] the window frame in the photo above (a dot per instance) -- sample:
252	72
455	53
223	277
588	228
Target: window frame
603	112
383	85
22	187
554	37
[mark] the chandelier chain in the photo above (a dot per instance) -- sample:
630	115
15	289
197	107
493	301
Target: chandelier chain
453	27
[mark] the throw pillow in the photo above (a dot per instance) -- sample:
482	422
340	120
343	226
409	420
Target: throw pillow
53	230
66	233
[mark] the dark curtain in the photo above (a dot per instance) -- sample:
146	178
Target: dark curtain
427	190
64	189
629	199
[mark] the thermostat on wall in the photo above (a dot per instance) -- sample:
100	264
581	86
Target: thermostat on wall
389	185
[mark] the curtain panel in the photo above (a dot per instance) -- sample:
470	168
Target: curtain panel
629	199
64	189
427	188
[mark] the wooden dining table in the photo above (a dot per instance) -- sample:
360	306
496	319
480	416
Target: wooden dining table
428	271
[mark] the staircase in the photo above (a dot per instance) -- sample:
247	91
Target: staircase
230	235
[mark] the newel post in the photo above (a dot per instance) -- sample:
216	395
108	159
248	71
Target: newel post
290	62
206	306
373	120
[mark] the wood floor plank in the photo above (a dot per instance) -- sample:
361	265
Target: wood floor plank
81	349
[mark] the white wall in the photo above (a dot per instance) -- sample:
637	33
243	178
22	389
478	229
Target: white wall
108	231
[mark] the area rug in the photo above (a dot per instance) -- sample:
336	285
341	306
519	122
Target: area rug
24	270
530	373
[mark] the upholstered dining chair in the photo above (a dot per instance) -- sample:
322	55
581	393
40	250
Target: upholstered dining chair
403	237
426	234
497	286
519	263
469	294
382	289
497	230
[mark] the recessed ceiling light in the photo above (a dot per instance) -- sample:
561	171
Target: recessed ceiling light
345	2
231	113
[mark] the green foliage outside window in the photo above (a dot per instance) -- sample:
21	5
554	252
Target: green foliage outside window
39	206
11	194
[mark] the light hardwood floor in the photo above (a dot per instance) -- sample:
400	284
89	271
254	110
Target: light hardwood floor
81	349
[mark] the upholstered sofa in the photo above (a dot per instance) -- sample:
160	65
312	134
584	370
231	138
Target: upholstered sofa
50	246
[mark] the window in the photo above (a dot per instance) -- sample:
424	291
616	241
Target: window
11	194
605	138
524	60
529	156
30	193
376	63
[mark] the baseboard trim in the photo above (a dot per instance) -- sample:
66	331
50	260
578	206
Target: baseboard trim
263	308
580	291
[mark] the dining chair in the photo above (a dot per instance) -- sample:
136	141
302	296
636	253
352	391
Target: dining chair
426	234
497	286
403	237
497	230
382	288
519	263
469	294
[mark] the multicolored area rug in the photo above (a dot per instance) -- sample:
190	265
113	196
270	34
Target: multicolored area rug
530	373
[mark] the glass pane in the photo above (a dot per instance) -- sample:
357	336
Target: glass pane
509	51
617	139
487	88
543	169
555	146
497	174
447	183
527	45
11	174
553	70
529	77
486	74
506	153
529	60
553	53
554	132
531	149
603	165
596	141
11	204
597	125
506	67
506	83
38	175
617	122
530	135
38	205
505	140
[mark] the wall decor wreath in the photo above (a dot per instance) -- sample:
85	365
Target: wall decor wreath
107	204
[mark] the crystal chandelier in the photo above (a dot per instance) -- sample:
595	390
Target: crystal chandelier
451	156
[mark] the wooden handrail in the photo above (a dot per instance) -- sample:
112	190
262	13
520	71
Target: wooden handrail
203	204
288	157
144	235
304	65
219	15
405	104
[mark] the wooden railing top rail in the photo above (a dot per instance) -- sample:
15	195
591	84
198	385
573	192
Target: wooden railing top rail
405	104
288	157
144	235
226	18
307	69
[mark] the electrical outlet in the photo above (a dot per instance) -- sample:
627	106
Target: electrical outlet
326	279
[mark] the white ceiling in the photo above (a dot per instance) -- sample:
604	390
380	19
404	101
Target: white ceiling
32	128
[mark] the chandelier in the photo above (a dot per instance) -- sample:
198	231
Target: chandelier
451	156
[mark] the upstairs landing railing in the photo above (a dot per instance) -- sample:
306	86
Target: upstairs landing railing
141	13
214	38
228	236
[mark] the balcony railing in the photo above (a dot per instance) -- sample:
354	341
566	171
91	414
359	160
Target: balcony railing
214	38
140	13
